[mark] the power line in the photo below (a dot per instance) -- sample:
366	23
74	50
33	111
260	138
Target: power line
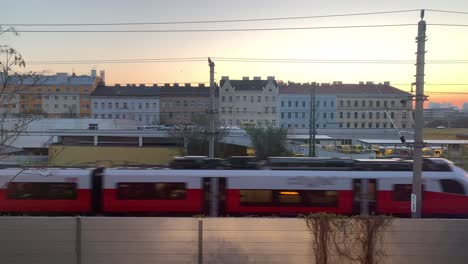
449	25
213	30
246	60
447	11
206	21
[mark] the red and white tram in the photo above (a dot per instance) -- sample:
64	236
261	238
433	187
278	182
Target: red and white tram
282	189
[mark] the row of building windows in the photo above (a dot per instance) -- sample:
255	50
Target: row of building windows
370	115
186	104
238	122
303	104
371	125
56	106
238	110
124	105
146	118
56	97
370	103
245	98
302	115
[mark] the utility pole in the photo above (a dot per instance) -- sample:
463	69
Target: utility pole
416	201
213	181
312	131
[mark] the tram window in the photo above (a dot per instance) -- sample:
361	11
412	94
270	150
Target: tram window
309	198
452	186
151	191
41	191
402	192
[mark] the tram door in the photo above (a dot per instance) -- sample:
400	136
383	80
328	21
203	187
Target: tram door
370	193
207	196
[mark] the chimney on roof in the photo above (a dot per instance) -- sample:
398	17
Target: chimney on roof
155	85
271	78
325	84
117	85
142	85
369	83
245	78
386	83
313	83
175	85
133	85
167	85
93	73
128	85
225	78
102	74
201	85
337	82
188	85
257	78
361	83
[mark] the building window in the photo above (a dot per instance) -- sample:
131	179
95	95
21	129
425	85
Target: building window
252	99
65	97
377	103
109	116
140	117
117	116
341	103
282	103
289	115
332	103
154	105
296	115
348	114
324	103
245	98
340	125
355	114
282	115
289	104
117	106
317	103
103	116
140	106
363	125
392	103
230	110
324	115
103	106
403	125
332	115
370	125
392	115
237	110
259	99
266	99
356	103
403	115
148	105
377	125
266	109
371	103
95	105
348	125
125	106
223	99
74	97
245	110
370	115
363	115
109	105
355	125
273	110
296	103
95	116
377	115
384	125
385	103
230	99
303	115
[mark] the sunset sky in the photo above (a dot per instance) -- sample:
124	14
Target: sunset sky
387	43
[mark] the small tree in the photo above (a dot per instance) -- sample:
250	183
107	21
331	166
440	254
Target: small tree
13	82
269	141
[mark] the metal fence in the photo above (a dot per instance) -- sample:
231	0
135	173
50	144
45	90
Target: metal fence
93	240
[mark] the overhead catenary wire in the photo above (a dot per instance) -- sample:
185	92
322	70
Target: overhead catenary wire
205	21
216	30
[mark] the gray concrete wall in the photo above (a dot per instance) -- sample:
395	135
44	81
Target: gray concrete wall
225	240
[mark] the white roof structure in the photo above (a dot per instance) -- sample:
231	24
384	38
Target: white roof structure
427	141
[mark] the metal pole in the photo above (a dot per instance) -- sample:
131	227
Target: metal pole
213	181
200	241
364	197
416	201
312	123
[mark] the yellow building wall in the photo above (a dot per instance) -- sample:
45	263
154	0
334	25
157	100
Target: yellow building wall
110	156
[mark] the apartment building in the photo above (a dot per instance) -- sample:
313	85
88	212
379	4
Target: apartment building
298	107
249	101
140	103
185	104
337	105
59	95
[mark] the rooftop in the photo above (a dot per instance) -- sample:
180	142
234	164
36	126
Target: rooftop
247	84
126	91
340	88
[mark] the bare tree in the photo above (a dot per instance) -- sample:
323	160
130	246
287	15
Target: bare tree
13	82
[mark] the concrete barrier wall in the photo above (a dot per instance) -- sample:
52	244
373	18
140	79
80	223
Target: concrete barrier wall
224	240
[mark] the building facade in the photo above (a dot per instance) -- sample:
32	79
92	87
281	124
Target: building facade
297	107
185	104
247	101
345	106
60	95
139	103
